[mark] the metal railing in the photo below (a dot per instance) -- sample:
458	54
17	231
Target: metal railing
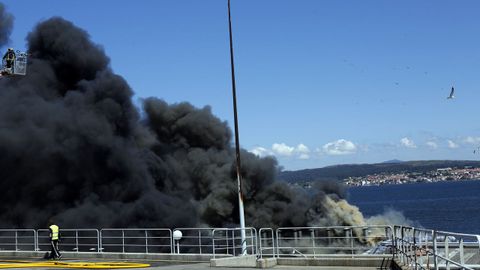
266	242
195	240
75	240
419	248
321	241
18	239
145	240
228	241
416	248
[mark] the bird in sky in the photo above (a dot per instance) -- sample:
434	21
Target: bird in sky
451	96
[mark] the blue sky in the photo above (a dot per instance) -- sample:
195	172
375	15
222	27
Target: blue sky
318	82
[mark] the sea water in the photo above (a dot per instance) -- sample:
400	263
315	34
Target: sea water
452	206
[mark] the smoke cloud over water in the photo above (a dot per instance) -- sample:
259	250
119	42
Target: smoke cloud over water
74	148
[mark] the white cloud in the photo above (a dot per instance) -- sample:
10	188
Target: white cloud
302	148
432	145
452	144
407	143
340	147
260	151
282	149
302	151
472	140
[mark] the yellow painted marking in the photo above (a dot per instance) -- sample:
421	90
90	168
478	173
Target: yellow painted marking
83	265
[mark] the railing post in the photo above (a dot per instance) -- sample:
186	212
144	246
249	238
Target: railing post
227	242
38	239
246	238
99	240
260	236
146	241
394	241
254	241
273	243
402	245
462	256
423	245
255	247
447	264
415	248
435	250
76	240
16	240
200	241
406	245
123	241
350	234
330	236
277	252
213	243
312	234
35	243
234	246
172	242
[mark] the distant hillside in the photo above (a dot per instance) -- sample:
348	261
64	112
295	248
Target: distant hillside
339	172
393	161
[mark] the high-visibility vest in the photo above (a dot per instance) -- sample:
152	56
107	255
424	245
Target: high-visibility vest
10	56
54	232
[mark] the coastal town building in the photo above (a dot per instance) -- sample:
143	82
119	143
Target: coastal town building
441	174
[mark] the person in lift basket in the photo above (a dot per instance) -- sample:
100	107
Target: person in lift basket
9	58
54	237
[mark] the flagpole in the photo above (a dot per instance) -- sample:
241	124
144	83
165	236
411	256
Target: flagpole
237	140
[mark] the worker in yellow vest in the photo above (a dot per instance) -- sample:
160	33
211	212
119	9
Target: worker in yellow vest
9	58
54	237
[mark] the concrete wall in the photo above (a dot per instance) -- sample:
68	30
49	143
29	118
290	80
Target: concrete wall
351	262
266	263
252	261
239	261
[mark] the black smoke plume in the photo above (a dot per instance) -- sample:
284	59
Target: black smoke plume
6	25
74	148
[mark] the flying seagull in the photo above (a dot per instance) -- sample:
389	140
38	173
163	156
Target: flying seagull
451	96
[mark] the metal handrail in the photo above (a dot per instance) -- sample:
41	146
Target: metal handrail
316	241
230	239
144	235
261	239
414	245
16	238
416	248
76	238
197	237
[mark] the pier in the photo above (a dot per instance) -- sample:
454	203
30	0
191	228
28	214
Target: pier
334	247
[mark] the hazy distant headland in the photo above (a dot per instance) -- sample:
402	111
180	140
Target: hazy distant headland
389	172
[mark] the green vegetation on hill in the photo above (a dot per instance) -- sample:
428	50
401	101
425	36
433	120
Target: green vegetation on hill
339	172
